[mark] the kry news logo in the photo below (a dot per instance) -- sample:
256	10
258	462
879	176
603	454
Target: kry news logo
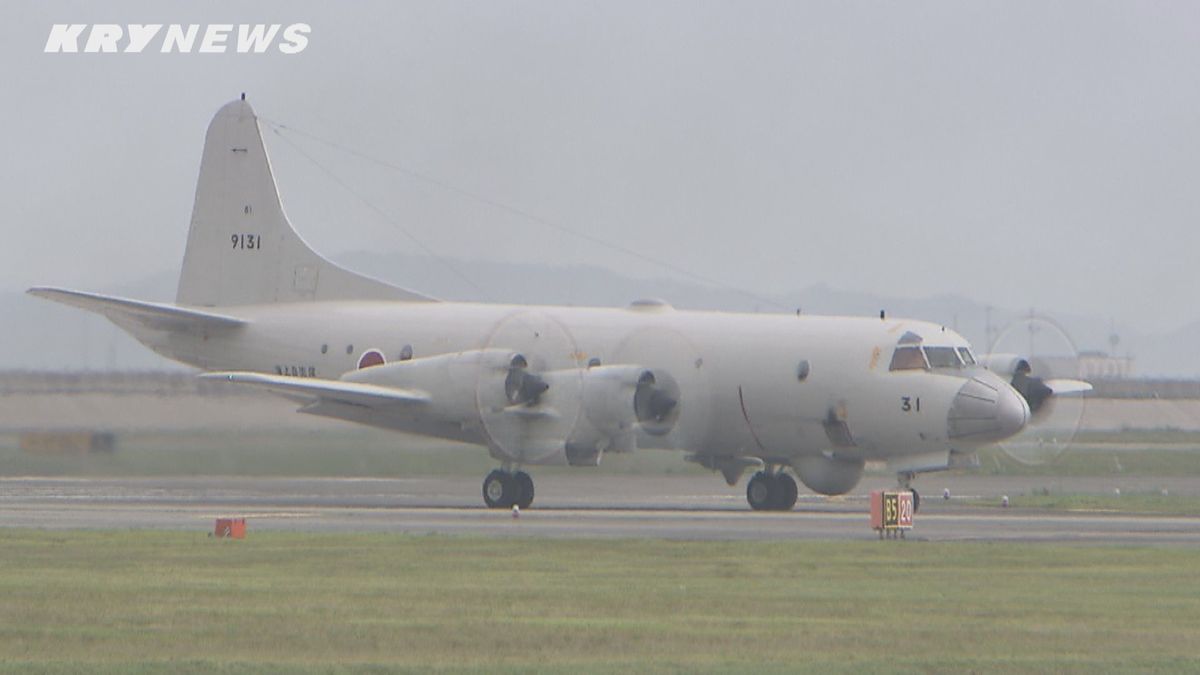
215	38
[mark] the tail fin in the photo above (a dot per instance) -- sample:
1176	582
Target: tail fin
241	249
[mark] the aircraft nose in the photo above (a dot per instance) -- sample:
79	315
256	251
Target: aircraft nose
985	410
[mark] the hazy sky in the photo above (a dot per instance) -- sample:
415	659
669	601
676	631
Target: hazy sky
1020	153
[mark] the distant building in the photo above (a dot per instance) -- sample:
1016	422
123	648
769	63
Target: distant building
1088	365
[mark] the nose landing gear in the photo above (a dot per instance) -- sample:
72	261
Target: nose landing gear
905	480
504	489
775	491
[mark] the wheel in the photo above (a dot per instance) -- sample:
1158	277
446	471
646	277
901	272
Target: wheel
523	495
760	492
916	500
499	488
785	492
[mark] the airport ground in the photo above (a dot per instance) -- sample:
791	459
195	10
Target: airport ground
615	571
363	556
599	506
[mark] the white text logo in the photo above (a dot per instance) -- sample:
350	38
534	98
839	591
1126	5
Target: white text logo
215	38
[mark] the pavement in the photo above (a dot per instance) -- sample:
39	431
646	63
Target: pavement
668	507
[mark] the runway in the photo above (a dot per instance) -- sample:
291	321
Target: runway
669	507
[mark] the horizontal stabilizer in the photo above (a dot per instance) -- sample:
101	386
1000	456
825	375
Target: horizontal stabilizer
154	315
353	393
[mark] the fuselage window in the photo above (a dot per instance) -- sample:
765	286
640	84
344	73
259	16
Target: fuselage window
908	358
966	355
943	357
406	353
802	370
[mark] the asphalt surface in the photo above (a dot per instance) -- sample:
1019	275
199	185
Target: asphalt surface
673	507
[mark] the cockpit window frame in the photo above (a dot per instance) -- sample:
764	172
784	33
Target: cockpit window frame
902	358
935	356
942	355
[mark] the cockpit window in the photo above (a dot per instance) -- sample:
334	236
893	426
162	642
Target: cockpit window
908	358
943	357
966	355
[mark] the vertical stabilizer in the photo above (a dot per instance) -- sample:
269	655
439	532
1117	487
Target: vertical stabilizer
241	249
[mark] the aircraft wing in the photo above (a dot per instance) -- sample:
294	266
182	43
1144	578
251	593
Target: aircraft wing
1068	387
155	315
320	391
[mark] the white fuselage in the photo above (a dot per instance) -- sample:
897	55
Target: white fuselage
739	374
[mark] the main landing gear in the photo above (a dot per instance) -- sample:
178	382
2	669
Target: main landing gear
771	491
504	489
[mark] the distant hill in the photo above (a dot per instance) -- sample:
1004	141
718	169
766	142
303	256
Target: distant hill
43	335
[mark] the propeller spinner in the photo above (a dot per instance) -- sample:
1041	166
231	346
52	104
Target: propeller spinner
522	387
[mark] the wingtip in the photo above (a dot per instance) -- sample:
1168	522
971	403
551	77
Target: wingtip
47	292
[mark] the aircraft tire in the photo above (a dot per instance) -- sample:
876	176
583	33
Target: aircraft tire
916	500
786	492
523	483
761	491
499	490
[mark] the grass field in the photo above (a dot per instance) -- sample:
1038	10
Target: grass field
1156	503
288	453
122	601
364	452
1100	459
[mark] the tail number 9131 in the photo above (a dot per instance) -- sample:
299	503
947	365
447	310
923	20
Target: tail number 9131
246	242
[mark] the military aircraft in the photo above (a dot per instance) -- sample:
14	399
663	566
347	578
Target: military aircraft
817	395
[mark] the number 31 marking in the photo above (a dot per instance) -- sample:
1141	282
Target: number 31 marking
908	403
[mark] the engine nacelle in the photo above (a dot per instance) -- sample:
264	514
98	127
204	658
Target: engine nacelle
537	417
829	475
610	396
451	380
617	401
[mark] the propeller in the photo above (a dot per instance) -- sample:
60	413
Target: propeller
531	400
522	387
1037	394
651	402
1056	404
